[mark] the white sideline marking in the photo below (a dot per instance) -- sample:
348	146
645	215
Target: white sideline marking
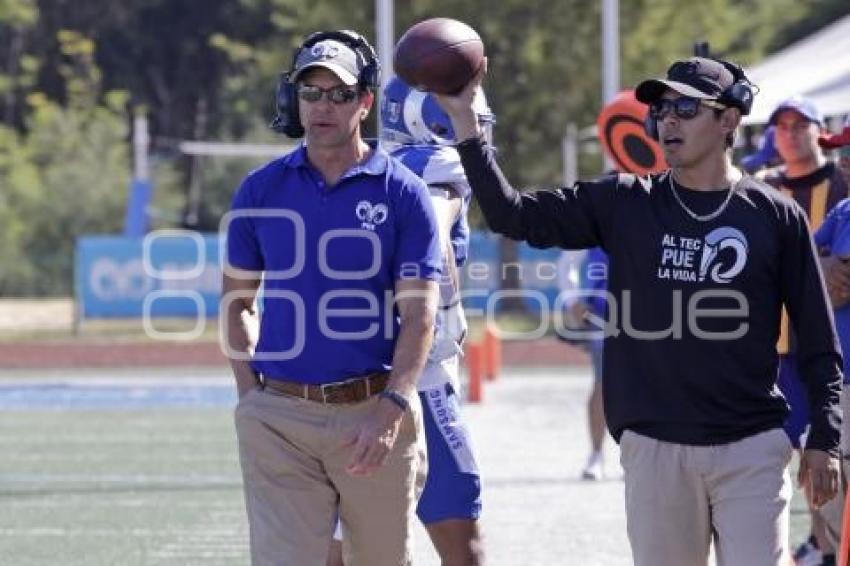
119	479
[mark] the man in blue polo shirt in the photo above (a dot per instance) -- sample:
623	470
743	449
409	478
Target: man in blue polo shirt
345	242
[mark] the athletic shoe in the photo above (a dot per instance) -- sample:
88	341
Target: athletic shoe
808	554
593	469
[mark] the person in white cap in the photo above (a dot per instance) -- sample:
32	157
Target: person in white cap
344	240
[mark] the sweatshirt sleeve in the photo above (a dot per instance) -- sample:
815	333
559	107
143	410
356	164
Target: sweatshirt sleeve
569	218
819	360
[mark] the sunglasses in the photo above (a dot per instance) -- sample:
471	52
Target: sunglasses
684	107
338	95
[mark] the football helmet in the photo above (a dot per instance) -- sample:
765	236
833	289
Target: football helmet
410	116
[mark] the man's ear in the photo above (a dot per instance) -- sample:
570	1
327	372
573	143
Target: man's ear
367	99
730	119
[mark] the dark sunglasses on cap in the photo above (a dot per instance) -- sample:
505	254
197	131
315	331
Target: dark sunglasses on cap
684	107
338	95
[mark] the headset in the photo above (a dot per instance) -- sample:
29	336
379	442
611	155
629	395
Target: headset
286	120
738	95
742	92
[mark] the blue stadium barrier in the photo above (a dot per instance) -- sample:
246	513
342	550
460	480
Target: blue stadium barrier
177	274
167	274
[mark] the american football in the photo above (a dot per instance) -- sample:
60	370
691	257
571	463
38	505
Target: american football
439	55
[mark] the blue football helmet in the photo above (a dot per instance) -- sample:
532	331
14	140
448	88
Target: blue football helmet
410	116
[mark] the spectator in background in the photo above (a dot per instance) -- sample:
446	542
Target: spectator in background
766	154
817	185
579	328
839	141
628	146
833	241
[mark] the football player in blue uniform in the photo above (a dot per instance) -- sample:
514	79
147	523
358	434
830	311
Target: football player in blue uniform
416	131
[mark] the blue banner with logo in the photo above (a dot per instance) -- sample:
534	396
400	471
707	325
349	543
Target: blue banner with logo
176	273
170	273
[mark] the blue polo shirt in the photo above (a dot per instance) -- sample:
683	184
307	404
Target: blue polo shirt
833	238
330	257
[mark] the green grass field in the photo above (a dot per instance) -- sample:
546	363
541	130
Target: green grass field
155	486
152	487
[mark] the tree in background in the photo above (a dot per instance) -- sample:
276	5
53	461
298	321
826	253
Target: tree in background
206	69
17	67
66	177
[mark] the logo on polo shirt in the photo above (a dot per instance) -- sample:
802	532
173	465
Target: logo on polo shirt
371	215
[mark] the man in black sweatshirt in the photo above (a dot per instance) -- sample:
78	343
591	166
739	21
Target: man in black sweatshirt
702	260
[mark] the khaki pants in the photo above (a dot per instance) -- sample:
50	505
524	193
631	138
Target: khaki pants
679	497
833	511
293	466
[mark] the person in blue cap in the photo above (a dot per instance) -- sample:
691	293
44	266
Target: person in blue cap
817	185
833	241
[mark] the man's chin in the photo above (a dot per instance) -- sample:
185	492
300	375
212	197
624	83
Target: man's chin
673	159
322	139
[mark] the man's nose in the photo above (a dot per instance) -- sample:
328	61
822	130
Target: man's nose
323	104
789	132
669	117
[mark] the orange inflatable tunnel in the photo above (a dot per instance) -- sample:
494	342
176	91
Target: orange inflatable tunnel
622	135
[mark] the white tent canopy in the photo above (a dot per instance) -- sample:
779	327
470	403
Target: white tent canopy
817	67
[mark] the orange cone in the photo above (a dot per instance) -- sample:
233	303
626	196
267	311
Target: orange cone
492	353
844	552
475	363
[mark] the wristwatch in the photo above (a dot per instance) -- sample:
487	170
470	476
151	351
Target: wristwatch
396	398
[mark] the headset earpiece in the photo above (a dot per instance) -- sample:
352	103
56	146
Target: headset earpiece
287	121
740	94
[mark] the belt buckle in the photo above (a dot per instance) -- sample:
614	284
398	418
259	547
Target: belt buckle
328	389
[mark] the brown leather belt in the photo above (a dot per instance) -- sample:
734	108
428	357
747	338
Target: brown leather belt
349	391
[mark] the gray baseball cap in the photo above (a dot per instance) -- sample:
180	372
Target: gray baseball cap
697	77
335	56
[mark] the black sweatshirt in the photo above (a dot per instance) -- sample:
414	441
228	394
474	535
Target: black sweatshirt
696	304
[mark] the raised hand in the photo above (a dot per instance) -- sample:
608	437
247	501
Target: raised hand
460	109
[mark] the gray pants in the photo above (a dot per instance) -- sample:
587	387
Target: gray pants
679	498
